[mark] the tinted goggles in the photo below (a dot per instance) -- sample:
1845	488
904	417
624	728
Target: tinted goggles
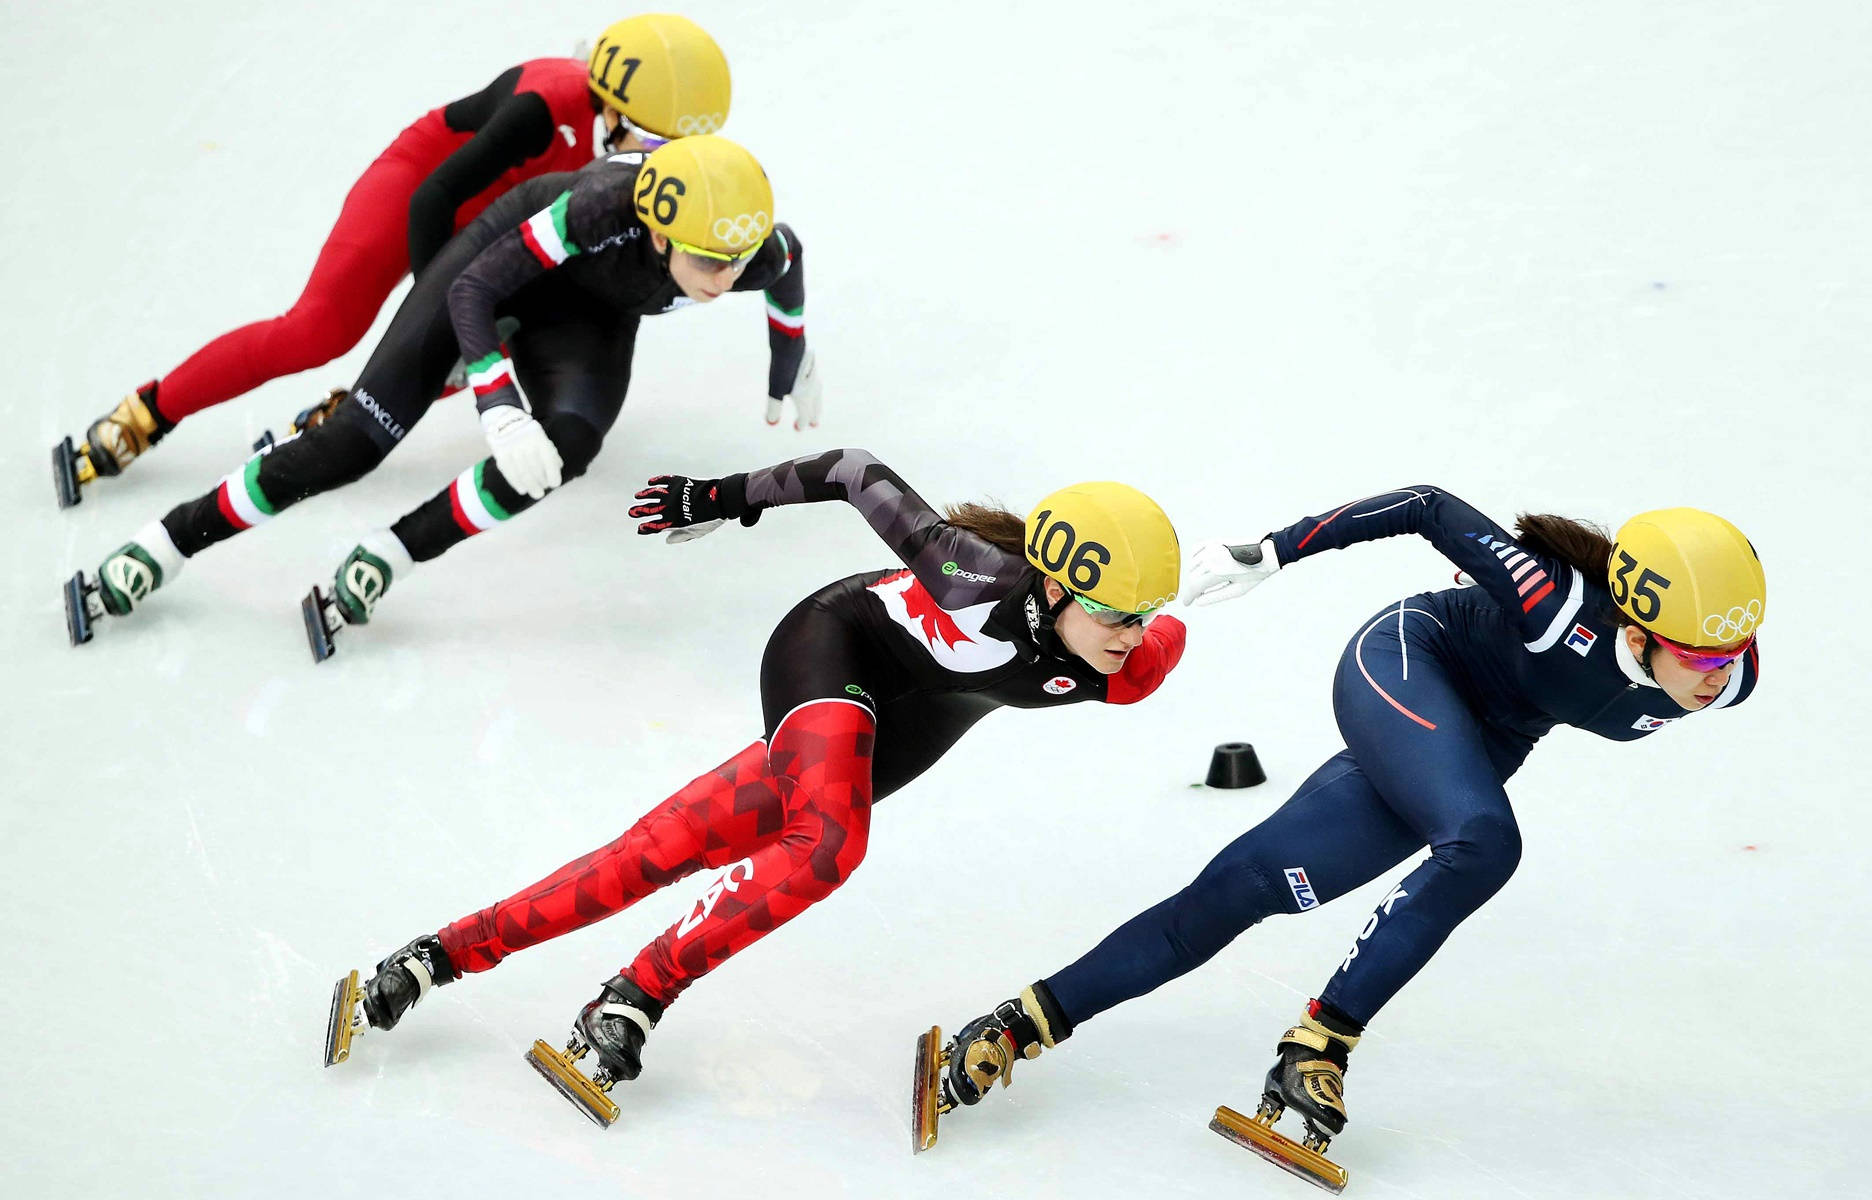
1705	658
1112	618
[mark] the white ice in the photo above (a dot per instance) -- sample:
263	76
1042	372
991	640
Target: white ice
1257	259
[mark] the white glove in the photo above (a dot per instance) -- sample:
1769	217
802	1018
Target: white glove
805	396
522	451
1219	571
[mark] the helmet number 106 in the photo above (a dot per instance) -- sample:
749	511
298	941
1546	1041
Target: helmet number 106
1055	546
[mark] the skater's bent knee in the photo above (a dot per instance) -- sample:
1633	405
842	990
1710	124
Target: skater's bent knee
330	455
1485	850
576	440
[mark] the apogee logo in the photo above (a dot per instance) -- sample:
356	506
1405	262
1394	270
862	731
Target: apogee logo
950	568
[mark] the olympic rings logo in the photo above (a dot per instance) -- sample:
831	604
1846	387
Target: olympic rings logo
690	125
743	230
1737	623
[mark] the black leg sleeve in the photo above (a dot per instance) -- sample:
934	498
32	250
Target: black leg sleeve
327	456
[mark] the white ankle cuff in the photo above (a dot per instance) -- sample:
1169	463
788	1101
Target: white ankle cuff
389	547
637	1016
156	540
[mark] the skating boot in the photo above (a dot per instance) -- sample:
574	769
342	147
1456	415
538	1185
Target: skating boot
124	580
401	980
308	418
111	443
1310	1078
983	1051
615	1025
362	579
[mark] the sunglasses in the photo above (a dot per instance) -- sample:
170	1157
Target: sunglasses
715	259
1112	618
614	139
1705	659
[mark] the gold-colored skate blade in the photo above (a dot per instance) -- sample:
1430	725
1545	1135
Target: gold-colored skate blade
1258	1134
926	1106
575	1086
346	1015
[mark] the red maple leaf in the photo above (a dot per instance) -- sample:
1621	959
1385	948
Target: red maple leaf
923	609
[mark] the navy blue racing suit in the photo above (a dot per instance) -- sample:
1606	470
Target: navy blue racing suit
1439	697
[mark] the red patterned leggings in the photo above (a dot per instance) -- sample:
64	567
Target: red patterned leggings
788	819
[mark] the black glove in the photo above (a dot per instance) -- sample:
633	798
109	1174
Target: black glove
679	502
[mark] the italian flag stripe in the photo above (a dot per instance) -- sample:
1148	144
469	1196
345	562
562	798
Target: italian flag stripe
240	499
490	374
251	479
545	233
469	504
789	321
487	498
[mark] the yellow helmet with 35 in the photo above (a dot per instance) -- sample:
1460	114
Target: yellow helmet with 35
1688	576
664	73
1109	543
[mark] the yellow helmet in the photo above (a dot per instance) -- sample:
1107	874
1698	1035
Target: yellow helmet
1109	543
707	195
1688	576
663	73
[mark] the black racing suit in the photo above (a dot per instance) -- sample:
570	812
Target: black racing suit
571	354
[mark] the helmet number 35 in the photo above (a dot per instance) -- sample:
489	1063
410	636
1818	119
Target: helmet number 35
1056	545
663	202
1645	602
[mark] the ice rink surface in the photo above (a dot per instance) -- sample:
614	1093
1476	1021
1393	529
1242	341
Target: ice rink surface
1256	259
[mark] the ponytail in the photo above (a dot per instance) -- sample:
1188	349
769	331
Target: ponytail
991	523
1579	544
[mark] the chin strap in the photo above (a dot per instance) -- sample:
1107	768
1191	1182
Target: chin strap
1644	655
1046	636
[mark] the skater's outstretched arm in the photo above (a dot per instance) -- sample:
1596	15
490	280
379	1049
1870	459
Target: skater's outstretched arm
509	130
953	564
1532	587
779	270
594	215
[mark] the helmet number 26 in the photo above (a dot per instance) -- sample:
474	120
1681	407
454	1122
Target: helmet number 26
663	204
1055	545
1645	602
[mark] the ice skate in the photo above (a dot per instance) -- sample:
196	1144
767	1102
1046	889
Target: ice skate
615	1025
361	581
308	418
124	581
401	980
111	443
962	1071
1310	1078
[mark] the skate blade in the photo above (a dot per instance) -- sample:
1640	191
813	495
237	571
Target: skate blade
1258	1134
321	634
69	471
925	1094
78	609
347	998
584	1095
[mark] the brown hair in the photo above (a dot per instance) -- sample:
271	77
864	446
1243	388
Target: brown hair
991	523
1579	544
